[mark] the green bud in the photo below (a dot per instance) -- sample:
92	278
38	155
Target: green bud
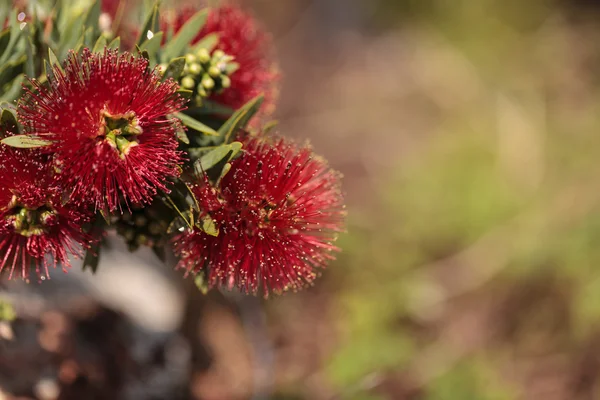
162	68
208	82
141	239
225	82
203	56
201	91
195	69
190	58
141	220
215	72
188	82
217	55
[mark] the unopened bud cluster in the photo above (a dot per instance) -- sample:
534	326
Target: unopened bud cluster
205	73
141	227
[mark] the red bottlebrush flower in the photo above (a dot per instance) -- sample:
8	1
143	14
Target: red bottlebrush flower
107	118
278	211
241	36
36	230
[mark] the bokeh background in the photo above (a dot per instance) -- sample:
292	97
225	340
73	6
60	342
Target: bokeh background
468	132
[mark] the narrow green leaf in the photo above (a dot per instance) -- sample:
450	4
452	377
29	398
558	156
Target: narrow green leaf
169	201
152	46
15	35
12	69
217	155
240	118
195	124
176	46
4	40
92	16
8	120
92	255
100	44
224	171
186	94
269	126
151	23
182	137
25	141
214	108
71	35
208	225
231	67
201	282
54	60
208	42
49	71
14	89
115	44
92	259
29	51
175	68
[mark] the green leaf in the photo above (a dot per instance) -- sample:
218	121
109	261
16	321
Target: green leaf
14	89
115	44
224	171
201	282
196	125
100	44
186	94
217	155
54	60
4	40
208	225
29	51
231	67
8	122
92	255
213	108
92	17
240	118
7	311
182	137
71	35
11	69
182	214
92	259
25	141
15	35
151	23
208	42
152	46
269	126
175	68
176	46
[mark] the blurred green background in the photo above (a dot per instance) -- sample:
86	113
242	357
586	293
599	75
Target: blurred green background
469	136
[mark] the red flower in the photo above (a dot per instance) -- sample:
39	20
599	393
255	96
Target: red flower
278	211
241	37
36	230
107	116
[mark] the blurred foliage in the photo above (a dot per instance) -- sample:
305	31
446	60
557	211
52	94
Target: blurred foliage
496	222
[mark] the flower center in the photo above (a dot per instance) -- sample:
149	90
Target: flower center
30	221
120	131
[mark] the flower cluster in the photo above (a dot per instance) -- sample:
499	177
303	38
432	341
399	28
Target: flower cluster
278	210
153	141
